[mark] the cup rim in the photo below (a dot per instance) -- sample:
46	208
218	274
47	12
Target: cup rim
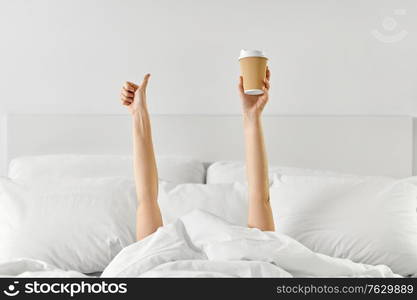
251	53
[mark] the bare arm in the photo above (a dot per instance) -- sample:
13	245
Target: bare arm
260	212
148	217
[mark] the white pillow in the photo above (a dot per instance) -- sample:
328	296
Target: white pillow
32	169
369	220
235	171
74	225
228	201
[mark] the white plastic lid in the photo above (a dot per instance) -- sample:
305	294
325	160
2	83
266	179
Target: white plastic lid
251	53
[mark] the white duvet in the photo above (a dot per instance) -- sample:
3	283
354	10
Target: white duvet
203	245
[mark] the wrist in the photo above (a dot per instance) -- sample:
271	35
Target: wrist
251	118
251	123
139	113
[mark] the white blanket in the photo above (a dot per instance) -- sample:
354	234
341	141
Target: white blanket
203	245
26	267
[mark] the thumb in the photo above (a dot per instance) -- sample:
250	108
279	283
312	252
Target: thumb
145	81
240	85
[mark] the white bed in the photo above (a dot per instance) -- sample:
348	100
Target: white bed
194	241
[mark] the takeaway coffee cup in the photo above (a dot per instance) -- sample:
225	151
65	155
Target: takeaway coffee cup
253	70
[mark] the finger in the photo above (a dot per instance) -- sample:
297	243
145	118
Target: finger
126	103
145	81
127	93
268	73
123	96
264	99
130	86
267	84
240	85
266	93
125	99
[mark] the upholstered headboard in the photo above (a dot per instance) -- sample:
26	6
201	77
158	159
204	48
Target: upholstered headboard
372	145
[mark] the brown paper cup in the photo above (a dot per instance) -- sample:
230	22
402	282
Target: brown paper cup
253	70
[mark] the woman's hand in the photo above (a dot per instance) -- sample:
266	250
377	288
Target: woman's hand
134	96
253	105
